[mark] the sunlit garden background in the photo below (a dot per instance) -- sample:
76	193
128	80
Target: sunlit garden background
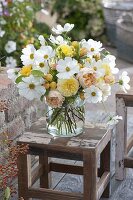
24	22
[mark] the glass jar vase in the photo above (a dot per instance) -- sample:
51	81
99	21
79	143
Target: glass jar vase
67	120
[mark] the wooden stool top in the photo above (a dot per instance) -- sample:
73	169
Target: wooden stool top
127	97
92	138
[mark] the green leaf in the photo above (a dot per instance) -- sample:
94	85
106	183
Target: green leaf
37	73
42	97
7	193
19	79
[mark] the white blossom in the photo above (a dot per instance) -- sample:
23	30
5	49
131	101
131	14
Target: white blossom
124	81
27	57
10	46
31	87
67	68
60	29
93	94
11	62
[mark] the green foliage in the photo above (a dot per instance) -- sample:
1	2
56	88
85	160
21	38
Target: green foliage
87	16
18	25
7	193
37	73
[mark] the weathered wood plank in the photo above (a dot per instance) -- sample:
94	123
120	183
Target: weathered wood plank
104	141
24	175
71	169
102	184
47	194
128	97
90	175
36	173
121	138
105	159
45	178
129	143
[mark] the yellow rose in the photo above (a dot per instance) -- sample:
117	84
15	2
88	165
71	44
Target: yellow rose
68	87
66	50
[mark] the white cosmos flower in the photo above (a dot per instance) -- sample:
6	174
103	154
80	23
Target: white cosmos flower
11	62
67	68
44	53
31	87
10	46
92	46
114	120
93	94
13	74
124	81
28	55
2	32
57	40
96	66
41	64
60	29
42	40
110	60
106	90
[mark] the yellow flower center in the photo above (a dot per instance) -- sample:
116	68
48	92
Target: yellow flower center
46	56
41	65
92	49
95	68
31	56
93	94
67	69
26	70
32	86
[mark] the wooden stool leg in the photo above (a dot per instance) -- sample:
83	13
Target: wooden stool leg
105	167
121	139
45	179
24	175
90	175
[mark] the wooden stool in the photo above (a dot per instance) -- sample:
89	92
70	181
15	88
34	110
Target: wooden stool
123	146
87	147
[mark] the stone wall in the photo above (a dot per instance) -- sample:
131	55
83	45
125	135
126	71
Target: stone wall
21	112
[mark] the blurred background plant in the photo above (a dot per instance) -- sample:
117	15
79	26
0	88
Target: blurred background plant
17	28
9	153
8	165
87	15
18	24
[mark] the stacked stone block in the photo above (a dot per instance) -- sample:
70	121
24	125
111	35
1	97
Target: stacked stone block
21	112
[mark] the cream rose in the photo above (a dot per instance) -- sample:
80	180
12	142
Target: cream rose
55	99
86	77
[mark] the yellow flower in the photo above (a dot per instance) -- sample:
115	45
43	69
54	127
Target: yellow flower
107	69
26	70
66	50
68	87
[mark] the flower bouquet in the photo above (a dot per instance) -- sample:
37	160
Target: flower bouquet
68	74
